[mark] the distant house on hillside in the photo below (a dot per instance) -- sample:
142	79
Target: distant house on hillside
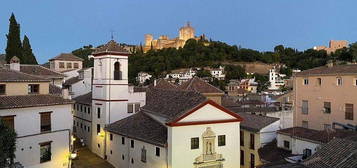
65	62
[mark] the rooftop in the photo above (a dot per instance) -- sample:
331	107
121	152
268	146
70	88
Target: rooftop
334	70
255	123
7	102
198	85
163	84
111	47
66	57
72	81
84	99
7	75
323	136
38	70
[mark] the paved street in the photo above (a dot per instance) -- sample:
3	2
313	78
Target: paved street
86	159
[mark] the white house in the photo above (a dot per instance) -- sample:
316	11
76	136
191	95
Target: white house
42	121
218	73
175	129
80	84
182	75
276	79
142	77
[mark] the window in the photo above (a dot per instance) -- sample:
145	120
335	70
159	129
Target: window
252	139
69	65
111	137
61	65
45	152
88	110
122	157
241	138
306	153
132	161
81	125
123	140
33	88
319	81
45	121
305	124
339	81
241	157
98	112
88	128
8	121
252	160
157	152
137	107
349	111
355	82
327	107
306	81
305	107
85	109
117	72
143	154
132	143
75	65
98	128
221	140
286	144
130	108
195	143
2	89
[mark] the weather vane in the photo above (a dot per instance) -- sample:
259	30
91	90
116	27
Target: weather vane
112	34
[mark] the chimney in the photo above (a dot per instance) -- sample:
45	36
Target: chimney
65	94
329	64
15	63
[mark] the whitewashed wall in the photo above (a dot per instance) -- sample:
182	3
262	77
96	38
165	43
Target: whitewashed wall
268	133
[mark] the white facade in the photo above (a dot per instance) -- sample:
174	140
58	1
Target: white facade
82	123
275	79
83	86
285	116
218	73
297	146
182	76
268	133
112	100
27	125
142	77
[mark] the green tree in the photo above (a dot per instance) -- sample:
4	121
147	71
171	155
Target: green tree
234	72
263	81
14	47
27	54
83	53
7	144
353	49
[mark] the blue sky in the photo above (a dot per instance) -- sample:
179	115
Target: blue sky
56	26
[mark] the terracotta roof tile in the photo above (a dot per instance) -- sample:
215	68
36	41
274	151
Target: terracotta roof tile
67	57
141	127
84	99
23	101
55	90
197	84
111	47
335	70
323	136
39	70
163	84
7	75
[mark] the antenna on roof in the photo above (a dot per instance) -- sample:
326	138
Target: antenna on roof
112	34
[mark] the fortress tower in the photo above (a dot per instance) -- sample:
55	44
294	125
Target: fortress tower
186	32
148	39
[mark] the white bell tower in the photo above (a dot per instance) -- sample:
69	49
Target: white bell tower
110	91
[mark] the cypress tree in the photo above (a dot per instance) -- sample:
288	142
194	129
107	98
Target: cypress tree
13	47
27	54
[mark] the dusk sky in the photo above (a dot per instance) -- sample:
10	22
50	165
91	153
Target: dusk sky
56	26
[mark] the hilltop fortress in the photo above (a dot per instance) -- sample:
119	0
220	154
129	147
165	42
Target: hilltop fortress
186	32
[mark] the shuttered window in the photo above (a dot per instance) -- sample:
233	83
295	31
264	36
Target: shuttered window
349	111
8	121
45	121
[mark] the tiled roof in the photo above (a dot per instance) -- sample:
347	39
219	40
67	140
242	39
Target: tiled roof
163	84
323	136
271	153
171	104
255	123
141	127
67	57
253	109
228	101
7	75
197	84
338	153
39	70
335	70
84	99
71	81
111	47
55	90
7	102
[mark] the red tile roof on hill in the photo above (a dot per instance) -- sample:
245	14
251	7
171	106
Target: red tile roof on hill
67	57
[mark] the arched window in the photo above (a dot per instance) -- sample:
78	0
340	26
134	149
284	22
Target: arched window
117	72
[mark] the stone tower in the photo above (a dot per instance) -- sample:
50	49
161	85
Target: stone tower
148	39
110	91
186	32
